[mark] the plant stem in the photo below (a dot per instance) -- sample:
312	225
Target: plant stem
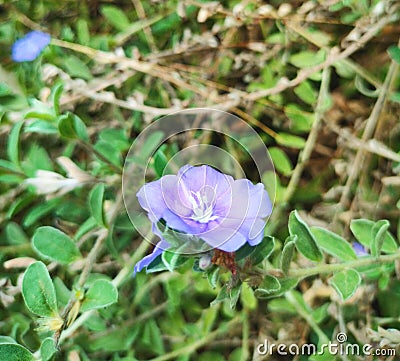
174	355
117	282
90	260
307	316
369	130
245	336
305	154
329	268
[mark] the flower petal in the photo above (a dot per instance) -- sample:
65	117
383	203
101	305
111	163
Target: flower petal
145	261
30	46
225	239
150	197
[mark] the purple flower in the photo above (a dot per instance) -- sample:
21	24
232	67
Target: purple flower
30	46
208	205
359	249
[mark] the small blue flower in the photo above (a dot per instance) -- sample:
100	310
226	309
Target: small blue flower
30	46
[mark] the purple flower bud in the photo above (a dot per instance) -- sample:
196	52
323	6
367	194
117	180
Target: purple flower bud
359	249
30	46
205	261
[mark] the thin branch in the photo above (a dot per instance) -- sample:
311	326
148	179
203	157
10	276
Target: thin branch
332	58
368	133
336	267
189	349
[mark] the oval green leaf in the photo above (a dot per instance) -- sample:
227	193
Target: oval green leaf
48	349
346	283
306	243
14	352
362	230
281	161
287	253
38	291
289	140
102	293
96	198
333	244
55	245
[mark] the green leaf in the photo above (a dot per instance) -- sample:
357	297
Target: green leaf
362	230
72	127
346	283
13	143
306	59
223	295
394	52
263	250
234	294
287	253
118	339
55	97
40	210
40	110
82	31
256	253
333	244
269	285
109	152
38	291
300	120
48	349
14	352
289	140
102	293
147	147
15	234
378	234
213	276
55	245
76	68
135	27
247	297
286	284
96	198
116	17
172	260
156	266
306	93
160	162
116	137
8	165
7	339
281	161
41	127
306	243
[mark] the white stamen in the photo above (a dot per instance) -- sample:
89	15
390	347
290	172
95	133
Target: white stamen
202	207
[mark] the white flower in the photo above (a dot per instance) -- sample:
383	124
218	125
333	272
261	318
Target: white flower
47	182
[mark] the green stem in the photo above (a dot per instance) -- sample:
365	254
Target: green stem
305	154
307	316
189	349
329	268
90	147
117	281
245	336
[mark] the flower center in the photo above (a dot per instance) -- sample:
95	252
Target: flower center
203	205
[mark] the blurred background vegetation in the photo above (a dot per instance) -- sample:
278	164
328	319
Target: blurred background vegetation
318	80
